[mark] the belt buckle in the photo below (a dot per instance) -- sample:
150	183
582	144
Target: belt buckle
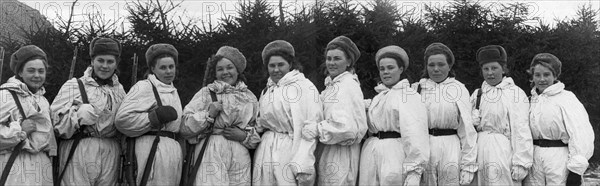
433	132
379	135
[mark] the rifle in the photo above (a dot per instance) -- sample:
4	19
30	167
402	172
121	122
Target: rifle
1	62
73	62
134	69
56	173
129	163
128	170
187	163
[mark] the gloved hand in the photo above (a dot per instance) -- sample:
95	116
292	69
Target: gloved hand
518	172
87	115
476	116
310	130
234	134
573	179
466	177
413	178
162	115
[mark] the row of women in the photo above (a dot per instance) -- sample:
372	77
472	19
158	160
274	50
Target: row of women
431	132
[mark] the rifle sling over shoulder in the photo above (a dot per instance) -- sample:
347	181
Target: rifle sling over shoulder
17	149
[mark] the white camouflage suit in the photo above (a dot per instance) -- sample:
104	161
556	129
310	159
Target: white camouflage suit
390	161
284	157
504	139
132	120
96	159
557	114
32	166
343	127
225	162
448	107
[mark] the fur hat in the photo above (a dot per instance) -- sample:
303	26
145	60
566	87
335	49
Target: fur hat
491	53
105	46
439	48
347	46
393	50
235	56
18	59
158	49
552	60
275	46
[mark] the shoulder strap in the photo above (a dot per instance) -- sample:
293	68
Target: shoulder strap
16	149
19	106
419	88
150	160
198	160
156	96
16	98
213	96
478	102
84	96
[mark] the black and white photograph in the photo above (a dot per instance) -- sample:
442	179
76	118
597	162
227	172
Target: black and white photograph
299	92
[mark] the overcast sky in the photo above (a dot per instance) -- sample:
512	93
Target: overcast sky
205	10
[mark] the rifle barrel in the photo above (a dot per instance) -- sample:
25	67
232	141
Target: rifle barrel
1	62
73	62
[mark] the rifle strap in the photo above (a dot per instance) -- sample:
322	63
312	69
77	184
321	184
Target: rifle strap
478	102
152	153
198	160
17	149
77	137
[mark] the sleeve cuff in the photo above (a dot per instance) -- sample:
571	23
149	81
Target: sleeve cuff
414	169
472	168
577	164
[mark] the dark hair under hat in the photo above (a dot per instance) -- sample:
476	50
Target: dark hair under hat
491	53
24	54
159	49
439	48
105	46
550	59
347	46
277	46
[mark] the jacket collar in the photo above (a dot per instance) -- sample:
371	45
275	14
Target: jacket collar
223	87
551	90
21	88
160	86
90	79
289	78
342	76
402	84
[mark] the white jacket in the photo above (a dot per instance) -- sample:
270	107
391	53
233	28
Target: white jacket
240	108
285	107
503	110
42	139
106	99
557	114
399	109
132	117
343	108
444	102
